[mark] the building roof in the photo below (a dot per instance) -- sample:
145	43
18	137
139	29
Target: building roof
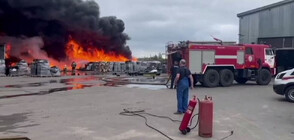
265	8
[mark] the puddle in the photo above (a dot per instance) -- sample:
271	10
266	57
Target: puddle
72	80
10	123
151	87
72	84
63	81
144	80
138	80
30	84
75	84
52	90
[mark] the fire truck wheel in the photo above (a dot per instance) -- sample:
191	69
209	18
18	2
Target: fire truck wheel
241	80
195	80
211	78
264	77
226	77
289	94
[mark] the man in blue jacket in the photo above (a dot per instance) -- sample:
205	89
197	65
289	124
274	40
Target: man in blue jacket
182	81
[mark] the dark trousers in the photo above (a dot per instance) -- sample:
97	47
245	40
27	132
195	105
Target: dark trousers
173	77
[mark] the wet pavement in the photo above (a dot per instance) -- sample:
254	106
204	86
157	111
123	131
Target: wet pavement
71	84
9	123
78	83
150	87
88	107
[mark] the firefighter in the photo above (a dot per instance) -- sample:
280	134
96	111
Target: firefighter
73	67
182	81
65	70
173	70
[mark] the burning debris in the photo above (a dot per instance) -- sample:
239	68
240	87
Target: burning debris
61	31
19	69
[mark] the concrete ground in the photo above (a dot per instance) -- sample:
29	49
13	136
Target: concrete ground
78	112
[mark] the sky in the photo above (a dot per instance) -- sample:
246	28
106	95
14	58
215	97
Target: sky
151	24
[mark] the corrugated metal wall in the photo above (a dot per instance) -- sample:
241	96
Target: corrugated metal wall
278	42
249	28
274	25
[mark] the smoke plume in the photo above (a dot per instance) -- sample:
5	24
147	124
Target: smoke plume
55	22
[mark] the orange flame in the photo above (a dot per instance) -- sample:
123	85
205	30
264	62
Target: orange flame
78	53
7	55
7	51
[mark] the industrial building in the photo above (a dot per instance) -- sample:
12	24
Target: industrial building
272	24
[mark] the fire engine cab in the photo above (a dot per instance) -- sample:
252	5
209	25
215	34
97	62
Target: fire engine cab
217	64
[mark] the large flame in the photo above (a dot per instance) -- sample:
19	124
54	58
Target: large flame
75	53
78	53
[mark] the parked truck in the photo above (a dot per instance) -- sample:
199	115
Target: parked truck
216	64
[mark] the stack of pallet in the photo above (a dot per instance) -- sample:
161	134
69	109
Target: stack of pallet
41	68
2	67
23	68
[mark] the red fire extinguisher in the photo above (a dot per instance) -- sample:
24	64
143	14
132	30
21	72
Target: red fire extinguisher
206	117
187	117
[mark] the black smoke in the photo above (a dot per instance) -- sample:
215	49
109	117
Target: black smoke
57	21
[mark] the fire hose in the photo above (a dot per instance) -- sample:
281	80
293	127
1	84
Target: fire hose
141	113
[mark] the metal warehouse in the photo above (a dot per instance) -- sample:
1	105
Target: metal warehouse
272	24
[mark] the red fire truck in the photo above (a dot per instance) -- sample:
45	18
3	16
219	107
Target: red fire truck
217	64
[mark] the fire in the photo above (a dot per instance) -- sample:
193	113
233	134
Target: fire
75	52
13	60
7	51
78	53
